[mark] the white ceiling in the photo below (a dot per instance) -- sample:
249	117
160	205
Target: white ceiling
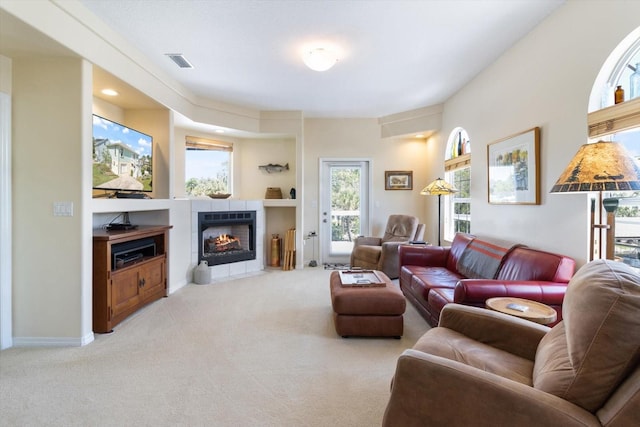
397	55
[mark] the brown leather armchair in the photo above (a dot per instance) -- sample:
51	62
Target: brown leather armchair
483	368
381	253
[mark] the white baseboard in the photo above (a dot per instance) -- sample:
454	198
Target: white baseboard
52	341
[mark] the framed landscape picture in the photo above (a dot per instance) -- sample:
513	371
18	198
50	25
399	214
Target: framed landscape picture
514	169
398	180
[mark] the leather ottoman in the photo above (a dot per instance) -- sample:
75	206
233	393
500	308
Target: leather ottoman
367	311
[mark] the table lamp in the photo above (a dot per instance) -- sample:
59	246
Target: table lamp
439	188
601	166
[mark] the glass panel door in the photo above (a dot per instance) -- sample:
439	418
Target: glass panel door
344	208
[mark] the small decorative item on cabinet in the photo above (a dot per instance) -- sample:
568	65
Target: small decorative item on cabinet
273	193
275	250
292	193
219	195
619	95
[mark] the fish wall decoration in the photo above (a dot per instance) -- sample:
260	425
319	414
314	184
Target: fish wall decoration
274	168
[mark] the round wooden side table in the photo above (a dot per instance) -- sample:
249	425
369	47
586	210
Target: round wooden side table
523	308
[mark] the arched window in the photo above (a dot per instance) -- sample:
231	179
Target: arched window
457	167
620	123
618	70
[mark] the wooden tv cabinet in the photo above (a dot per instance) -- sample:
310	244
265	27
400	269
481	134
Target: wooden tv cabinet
119	290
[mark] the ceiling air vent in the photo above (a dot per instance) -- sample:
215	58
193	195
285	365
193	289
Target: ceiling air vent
180	60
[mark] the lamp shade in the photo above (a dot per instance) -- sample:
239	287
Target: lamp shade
320	59
439	187
602	166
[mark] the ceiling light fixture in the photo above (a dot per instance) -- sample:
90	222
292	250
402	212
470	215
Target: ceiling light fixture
109	92
180	60
320	58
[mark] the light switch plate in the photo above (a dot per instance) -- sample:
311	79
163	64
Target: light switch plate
62	208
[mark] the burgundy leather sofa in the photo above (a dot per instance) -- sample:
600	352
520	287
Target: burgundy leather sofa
431	276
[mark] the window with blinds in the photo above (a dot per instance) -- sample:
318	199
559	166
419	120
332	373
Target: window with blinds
207	166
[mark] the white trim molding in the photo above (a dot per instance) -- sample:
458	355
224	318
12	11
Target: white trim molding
6	326
53	341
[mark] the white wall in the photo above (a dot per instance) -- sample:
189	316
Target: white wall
107	110
251	182
51	254
545	80
180	265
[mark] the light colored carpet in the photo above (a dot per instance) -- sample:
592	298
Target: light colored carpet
251	351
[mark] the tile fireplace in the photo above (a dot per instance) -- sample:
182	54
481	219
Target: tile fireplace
240	242
226	237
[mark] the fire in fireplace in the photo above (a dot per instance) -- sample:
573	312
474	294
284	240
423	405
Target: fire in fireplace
222	243
226	237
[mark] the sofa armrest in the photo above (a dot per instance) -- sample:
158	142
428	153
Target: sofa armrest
514	335
477	291
428	390
389	257
370	241
423	255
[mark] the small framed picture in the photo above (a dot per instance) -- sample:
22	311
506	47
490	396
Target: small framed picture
398	180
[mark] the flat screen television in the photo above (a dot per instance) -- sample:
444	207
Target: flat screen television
122	159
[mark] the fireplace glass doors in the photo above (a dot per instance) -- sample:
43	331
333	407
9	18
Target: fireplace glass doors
226	237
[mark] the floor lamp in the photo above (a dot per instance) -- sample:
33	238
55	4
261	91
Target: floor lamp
598	167
439	188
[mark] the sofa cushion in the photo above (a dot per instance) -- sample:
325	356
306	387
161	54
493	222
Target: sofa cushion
585	357
481	258
460	242
531	264
436	277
